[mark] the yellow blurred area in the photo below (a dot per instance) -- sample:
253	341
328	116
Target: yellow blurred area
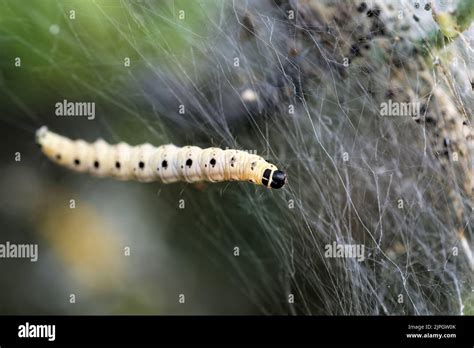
90	250
447	23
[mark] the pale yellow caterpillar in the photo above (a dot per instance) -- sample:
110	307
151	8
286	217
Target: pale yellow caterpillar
166	163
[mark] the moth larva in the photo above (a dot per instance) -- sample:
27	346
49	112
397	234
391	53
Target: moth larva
166	163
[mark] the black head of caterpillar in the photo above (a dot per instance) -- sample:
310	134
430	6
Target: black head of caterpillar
274	179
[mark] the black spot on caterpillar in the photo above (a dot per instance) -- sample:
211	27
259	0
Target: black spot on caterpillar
166	163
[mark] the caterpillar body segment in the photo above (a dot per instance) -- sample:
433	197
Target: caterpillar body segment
166	163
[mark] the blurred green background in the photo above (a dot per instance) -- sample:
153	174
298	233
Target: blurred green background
76	50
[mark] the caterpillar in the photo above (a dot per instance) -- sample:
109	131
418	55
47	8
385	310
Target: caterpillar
166	163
